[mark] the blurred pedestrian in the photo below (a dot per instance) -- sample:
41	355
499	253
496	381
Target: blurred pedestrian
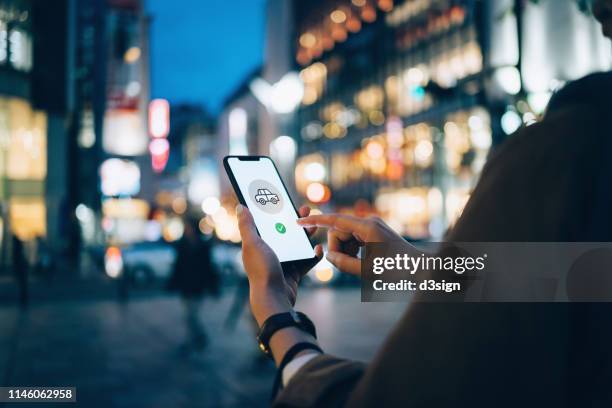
43	263
194	276
20	269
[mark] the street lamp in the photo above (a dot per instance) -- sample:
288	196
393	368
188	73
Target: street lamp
283	150
281	97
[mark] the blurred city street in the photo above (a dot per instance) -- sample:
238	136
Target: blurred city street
128	354
130	130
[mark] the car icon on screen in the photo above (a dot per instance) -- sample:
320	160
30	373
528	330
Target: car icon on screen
266	196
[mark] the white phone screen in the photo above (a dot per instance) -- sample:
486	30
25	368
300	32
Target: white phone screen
274	214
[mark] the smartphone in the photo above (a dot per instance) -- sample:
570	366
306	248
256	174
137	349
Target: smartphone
259	187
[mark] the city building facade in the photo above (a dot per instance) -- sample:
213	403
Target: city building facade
404	100
35	107
110	148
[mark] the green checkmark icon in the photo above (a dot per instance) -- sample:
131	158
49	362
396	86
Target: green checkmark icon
280	228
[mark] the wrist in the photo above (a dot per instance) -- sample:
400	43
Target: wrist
268	302
285	338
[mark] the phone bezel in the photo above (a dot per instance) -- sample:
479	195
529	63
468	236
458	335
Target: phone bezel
232	178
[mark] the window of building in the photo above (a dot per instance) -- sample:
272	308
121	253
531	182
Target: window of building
28	217
3	42
26	147
20	42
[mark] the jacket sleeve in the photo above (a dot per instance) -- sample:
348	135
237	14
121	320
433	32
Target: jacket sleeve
322	382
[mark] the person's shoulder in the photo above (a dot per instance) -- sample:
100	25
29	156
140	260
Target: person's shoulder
593	90
571	128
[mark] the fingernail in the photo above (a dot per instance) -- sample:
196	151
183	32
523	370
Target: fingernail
331	256
239	209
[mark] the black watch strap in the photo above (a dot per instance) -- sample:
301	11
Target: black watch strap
280	321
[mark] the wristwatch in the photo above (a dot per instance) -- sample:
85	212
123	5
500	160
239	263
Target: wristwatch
279	321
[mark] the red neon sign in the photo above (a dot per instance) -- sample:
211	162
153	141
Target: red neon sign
159	118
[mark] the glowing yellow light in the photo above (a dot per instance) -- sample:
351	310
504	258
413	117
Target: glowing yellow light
376	117
27	217
423	152
339	34
226	226
317	192
204	227
113	252
314	171
368	14
472	58
359	3
219	215
395	170
415	204
385	5
324	275
475	122
391	87
308	40
370	98
538	101
310	95
179	205
481	139
453	160
508	79
415	76
378	166
132	55
333	130
314	72
327	42
375	150
338	16
456	138
303	57
330	112
210	205
173	229
353	24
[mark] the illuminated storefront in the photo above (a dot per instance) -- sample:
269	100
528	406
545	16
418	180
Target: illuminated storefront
23	131
23	166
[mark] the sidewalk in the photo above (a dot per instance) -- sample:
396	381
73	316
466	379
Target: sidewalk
127	355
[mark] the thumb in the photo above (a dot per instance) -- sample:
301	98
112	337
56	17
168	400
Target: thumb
248	231
345	263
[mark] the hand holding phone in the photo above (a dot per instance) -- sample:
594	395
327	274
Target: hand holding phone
260	188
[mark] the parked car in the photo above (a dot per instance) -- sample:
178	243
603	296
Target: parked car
145	262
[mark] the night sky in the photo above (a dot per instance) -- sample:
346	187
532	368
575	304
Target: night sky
202	49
